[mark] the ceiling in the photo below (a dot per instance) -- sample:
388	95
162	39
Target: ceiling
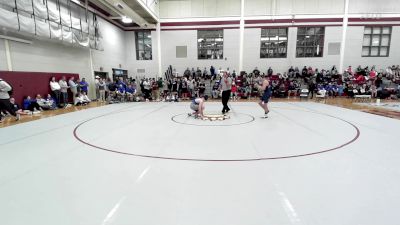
109	10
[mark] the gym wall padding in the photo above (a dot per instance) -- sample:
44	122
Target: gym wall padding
32	83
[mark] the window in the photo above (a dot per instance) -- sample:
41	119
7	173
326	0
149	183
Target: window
310	41
210	44
143	45
273	43
376	41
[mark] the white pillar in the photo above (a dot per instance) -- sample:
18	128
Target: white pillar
344	31
158	29
241	38
90	77
8	55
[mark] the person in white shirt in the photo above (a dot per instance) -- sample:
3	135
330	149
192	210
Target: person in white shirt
73	87
102	90
55	89
64	90
97	85
147	87
198	106
85	98
78	99
5	89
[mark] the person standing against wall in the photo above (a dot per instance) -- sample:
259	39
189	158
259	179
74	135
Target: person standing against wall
55	90
73	87
5	103
84	85
64	90
96	84
102	90
225	86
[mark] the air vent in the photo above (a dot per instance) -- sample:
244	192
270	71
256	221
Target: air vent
120	6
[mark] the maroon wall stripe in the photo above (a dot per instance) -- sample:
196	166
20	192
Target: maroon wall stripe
202	28
199	23
283	26
311	20
268	21
373	24
387	19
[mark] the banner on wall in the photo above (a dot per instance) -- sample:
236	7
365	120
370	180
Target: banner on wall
55	31
67	34
40	9
54	14
65	19
25	5
99	44
8	19
76	23
92	42
8	3
42	28
80	38
26	24
52	19
85	27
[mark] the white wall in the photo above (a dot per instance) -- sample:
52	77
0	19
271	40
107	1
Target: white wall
287	7
252	52
45	56
114	49
171	39
199	8
150	66
354	48
220	8
373	6
3	59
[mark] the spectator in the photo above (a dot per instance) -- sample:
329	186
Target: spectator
32	105
73	87
130	92
85	98
43	103
102	90
234	91
64	91
84	86
121	92
256	71
55	90
269	72
17	109
5	104
96	85
212	71
79	100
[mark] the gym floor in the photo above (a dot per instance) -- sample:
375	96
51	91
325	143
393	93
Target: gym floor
149	163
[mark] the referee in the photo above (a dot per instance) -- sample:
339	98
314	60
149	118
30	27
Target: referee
225	86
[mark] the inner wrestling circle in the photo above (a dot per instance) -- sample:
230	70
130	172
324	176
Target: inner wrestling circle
214	119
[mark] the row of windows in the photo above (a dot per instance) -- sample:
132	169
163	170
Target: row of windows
274	43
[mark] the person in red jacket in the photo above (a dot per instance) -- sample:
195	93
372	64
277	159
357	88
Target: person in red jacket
234	91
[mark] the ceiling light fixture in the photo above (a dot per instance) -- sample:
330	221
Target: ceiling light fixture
126	19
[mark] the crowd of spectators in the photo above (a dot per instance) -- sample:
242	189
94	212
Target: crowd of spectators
192	83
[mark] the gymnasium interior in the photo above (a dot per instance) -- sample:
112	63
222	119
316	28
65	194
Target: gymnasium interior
194	112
